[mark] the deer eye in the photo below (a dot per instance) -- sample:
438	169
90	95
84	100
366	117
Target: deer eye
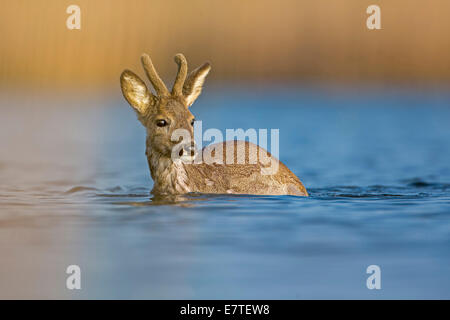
161	123
192	122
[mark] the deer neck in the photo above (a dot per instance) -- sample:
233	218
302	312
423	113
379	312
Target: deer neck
169	176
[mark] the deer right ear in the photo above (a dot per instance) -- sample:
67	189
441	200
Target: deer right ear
136	92
194	83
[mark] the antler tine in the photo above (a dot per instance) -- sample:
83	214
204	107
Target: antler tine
177	89
158	84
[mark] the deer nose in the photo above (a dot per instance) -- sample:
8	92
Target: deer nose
188	149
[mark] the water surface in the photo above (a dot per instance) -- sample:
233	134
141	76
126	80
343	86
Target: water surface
74	189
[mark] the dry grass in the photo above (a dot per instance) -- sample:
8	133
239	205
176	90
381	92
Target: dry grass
244	39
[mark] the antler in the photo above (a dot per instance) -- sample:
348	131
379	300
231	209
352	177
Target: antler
158	84
188	87
177	89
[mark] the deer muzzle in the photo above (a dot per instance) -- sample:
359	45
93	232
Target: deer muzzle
186	152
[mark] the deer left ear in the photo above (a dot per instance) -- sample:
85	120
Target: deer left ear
135	91
194	83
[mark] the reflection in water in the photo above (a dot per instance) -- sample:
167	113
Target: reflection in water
75	189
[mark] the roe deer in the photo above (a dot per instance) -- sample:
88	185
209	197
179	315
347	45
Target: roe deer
164	113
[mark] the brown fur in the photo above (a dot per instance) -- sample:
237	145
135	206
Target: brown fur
176	177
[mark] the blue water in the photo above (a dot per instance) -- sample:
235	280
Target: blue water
74	189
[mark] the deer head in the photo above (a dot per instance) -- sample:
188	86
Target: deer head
165	112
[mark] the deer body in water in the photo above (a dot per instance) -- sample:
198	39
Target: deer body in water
165	112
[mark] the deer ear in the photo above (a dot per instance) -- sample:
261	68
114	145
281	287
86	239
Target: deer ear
135	91
194	83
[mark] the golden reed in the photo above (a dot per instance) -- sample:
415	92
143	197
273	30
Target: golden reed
264	40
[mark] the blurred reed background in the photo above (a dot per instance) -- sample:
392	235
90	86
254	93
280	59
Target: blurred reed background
247	40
